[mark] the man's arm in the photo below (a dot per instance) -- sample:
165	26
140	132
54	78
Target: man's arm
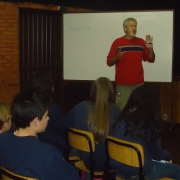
149	45
115	59
151	53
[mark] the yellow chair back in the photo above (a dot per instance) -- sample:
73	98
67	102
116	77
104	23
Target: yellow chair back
81	140
123	151
126	152
8	175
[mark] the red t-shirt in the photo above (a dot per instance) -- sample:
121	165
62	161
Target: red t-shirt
129	69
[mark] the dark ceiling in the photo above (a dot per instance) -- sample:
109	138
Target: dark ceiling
109	4
88	4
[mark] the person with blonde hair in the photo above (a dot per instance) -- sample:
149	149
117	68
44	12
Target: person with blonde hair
5	117
96	116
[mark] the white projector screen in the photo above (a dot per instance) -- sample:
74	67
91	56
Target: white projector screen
87	38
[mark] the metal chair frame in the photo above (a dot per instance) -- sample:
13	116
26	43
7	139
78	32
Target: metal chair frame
8	175
109	139
92	160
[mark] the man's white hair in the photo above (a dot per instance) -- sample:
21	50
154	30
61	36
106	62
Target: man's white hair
127	20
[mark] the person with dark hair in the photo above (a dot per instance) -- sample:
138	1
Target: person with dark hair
127	54
141	122
21	152
43	80
55	131
96	116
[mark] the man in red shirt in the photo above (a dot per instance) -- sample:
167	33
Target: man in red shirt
127	54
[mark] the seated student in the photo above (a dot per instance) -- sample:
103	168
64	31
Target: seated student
21	152
5	117
96	116
55	131
140	122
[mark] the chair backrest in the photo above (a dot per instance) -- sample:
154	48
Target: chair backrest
81	140
8	175
126	152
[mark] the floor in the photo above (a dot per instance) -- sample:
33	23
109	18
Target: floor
171	141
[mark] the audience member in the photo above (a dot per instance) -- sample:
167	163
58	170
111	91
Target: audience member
5	117
21	152
96	116
140	122
55	131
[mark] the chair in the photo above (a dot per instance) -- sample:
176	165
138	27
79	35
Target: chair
129	153
83	141
72	158
8	175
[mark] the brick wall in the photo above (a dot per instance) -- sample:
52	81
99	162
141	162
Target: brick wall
9	45
9	52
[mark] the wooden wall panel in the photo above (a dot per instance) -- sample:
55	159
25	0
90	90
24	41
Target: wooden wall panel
170	100
166	91
176	102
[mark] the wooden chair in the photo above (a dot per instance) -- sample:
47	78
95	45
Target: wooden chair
83	141
129	153
8	175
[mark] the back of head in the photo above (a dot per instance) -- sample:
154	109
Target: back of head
144	97
29	105
43	80
5	113
101	94
102	91
143	108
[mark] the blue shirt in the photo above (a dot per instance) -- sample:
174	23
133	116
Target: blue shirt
55	130
28	156
151	151
78	118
